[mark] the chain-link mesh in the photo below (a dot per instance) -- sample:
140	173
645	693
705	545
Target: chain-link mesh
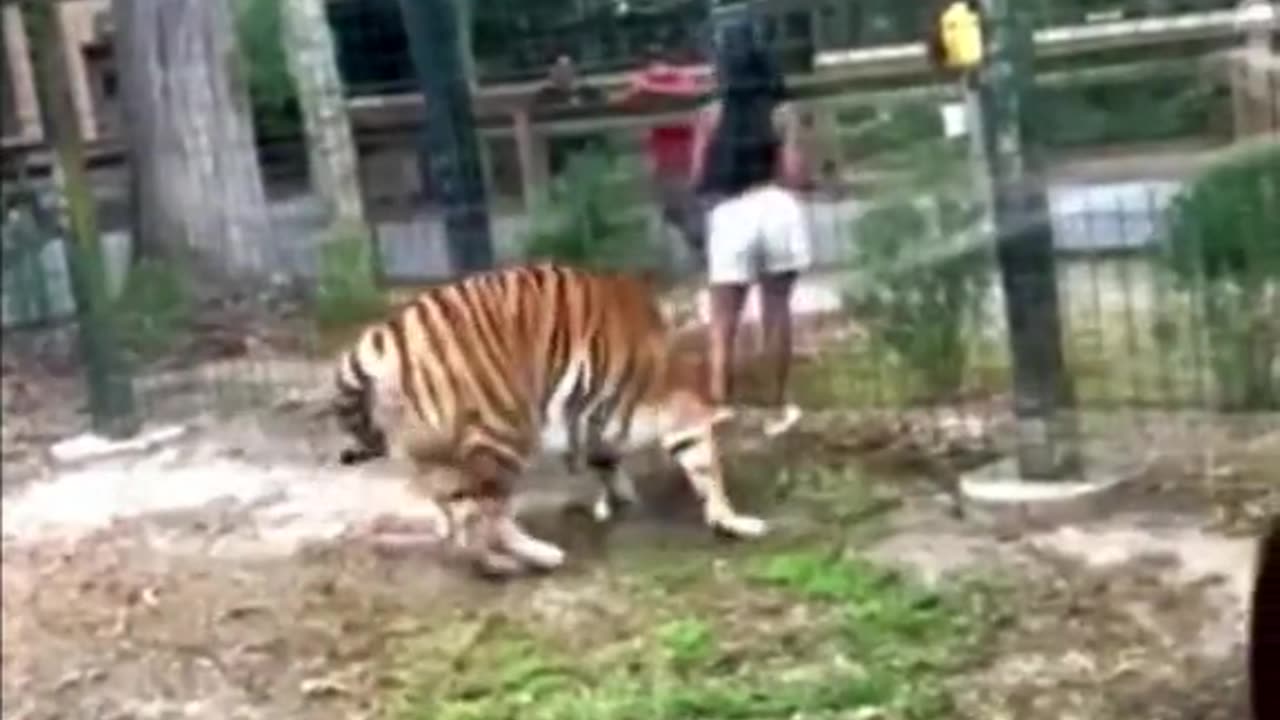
253	213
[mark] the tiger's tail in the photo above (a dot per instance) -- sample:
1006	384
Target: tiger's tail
353	406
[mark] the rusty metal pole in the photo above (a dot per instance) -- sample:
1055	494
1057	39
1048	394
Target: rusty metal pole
450	154
1044	398
111	400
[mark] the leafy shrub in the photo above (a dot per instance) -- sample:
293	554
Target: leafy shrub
22	242
347	292
1146	109
592	216
1223	247
260	39
154	309
922	292
885	137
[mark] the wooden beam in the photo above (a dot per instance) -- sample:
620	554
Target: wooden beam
940	92
1064	40
531	153
836	71
21	79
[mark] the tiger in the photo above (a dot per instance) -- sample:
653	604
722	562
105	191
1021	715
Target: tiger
484	374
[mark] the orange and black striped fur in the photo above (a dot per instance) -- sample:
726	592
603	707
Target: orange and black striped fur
483	374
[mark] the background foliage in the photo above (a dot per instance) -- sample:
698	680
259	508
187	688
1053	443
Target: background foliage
1223	246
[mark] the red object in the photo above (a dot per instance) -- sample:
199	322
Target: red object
669	80
670	145
671	148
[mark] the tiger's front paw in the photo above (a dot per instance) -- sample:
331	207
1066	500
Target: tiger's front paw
744	527
602	508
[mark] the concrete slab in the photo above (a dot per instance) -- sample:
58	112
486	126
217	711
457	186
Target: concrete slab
91	446
998	496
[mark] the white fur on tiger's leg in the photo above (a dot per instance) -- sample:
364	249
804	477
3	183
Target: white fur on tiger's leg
602	508
696	456
499	532
622	488
473	535
497	564
618	490
513	539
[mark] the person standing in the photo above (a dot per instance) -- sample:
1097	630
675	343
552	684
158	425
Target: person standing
669	144
563	89
747	162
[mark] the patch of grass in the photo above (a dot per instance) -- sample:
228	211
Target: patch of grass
865	374
347	293
589	218
798	634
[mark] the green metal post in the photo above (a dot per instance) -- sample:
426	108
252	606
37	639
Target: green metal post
1043	393
111	400
450	154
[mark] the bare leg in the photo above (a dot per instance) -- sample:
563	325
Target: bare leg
775	316
726	311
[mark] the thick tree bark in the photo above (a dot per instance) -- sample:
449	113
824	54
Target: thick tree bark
331	152
197	184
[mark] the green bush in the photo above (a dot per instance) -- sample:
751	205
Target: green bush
1146	109
887	137
923	287
347	292
592	216
23	240
260	39
154	309
1223	247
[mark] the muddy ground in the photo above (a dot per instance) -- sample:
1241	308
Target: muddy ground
213	577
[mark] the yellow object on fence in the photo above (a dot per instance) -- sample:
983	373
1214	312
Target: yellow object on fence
961	31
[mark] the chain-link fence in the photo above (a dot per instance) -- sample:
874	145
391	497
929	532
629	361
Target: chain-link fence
252	214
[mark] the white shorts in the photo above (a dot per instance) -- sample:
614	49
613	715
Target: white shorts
763	231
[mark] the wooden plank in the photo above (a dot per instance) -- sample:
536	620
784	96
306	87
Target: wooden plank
940	92
835	71
1067	39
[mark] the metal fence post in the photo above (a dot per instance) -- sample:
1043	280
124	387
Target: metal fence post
111	400
450	155
724	14
1043	394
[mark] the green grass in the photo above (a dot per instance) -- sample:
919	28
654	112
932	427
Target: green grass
800	633
861	374
1128	341
347	294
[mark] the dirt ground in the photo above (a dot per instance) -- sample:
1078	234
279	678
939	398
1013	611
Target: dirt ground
212	578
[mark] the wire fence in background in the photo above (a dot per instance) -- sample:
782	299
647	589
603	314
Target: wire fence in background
1159	167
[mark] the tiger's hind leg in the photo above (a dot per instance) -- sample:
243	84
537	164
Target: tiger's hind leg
697	456
617	491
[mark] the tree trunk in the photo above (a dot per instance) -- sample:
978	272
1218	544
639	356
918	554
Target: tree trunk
197	183
331	152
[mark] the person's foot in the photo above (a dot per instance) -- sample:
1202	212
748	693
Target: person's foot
782	420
